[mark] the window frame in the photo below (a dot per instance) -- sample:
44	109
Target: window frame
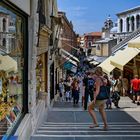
13	8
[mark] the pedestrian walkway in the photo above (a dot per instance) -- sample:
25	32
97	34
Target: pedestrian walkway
65	122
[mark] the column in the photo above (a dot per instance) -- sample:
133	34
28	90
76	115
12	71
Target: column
135	22
125	24
33	26
118	25
130	25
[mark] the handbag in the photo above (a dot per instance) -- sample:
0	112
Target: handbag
103	93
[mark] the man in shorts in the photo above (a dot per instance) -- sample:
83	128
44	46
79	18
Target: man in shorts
135	86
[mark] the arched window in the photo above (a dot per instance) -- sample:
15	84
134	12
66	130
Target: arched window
137	21
4	42
98	47
132	23
127	24
89	44
4	25
121	25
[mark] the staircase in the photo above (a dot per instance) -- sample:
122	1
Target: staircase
133	35
3	128
65	122
80	131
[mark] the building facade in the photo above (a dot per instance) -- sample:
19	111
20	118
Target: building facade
128	22
87	42
28	39
67	48
13	66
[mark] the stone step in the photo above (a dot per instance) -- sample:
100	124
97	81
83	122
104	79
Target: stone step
81	123
85	137
86	126
81	131
87	132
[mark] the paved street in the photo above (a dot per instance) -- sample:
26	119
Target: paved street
65	122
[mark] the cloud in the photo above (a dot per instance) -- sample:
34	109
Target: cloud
79	8
77	11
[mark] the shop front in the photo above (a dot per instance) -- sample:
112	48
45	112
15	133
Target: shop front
128	58
42	63
13	68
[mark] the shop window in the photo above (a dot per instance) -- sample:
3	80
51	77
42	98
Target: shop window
11	70
39	76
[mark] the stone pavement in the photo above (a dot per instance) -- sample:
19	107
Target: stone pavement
65	122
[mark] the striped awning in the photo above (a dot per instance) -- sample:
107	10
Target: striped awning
69	55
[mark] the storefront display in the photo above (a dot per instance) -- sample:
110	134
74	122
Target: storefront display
11	68
39	76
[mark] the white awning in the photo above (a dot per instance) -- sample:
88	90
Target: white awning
106	66
94	62
69	55
134	43
121	58
7	63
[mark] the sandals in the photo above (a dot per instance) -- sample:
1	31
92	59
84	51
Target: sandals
94	125
105	128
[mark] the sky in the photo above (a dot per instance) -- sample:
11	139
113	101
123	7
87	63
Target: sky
90	15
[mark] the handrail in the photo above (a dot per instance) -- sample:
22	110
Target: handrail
125	41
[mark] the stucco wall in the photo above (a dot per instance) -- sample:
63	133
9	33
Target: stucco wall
22	4
105	49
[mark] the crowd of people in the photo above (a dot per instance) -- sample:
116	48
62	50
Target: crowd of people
71	89
89	85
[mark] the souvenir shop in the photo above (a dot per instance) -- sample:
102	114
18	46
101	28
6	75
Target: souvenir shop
13	67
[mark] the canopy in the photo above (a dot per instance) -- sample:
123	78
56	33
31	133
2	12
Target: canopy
69	55
94	62
68	59
106	66
7	63
121	58
134	43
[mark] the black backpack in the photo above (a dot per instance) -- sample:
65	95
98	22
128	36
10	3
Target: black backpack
90	84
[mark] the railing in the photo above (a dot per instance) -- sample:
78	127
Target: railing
125	41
